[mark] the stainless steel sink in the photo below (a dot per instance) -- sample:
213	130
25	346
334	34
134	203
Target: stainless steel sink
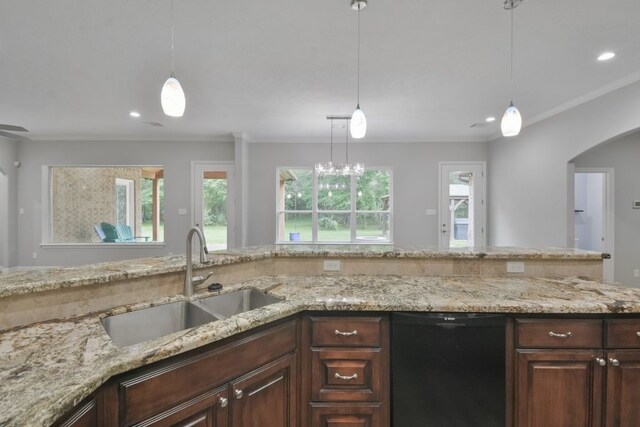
153	322
236	302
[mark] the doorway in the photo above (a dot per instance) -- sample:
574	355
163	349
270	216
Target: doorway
461	210
594	214
4	221
213	203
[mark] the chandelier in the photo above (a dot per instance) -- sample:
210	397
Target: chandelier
340	169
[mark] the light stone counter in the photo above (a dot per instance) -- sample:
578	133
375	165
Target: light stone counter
19	283
47	368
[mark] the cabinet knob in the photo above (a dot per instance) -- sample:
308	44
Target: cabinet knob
347	334
557	335
614	362
638	334
223	402
346	377
238	393
601	361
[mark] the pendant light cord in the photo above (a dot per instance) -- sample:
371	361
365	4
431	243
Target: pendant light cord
331	150
358	55
347	144
172	75
512	7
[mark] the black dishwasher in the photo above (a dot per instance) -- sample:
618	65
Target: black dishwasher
448	369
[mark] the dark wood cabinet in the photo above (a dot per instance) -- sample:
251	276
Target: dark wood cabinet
266	397
208	410
84	415
623	389
345	371
594	381
559	388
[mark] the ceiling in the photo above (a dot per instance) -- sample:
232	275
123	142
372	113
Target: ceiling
73	69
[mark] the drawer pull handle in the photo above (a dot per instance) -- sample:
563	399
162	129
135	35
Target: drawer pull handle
555	335
346	377
346	334
223	402
614	362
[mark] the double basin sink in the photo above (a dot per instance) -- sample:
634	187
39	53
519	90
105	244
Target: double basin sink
154	322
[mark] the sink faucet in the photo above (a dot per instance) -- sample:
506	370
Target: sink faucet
189	280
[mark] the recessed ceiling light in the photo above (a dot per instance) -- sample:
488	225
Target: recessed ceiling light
134	114
490	119
606	56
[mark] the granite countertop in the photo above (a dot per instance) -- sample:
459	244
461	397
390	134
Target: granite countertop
47	368
66	277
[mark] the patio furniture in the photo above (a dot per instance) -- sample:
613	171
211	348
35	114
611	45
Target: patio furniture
126	235
106	232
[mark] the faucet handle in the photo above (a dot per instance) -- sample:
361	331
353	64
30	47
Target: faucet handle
198	280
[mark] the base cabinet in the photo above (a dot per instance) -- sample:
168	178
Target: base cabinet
266	397
564	386
559	389
207	410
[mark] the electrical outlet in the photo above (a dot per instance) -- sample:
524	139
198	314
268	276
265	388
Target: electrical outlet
332	265
182	211
636	273
515	267
35	255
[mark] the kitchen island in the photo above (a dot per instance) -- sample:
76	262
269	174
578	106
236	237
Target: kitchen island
49	366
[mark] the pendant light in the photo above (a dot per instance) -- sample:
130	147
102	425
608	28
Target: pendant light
511	120
172	96
340	169
358	126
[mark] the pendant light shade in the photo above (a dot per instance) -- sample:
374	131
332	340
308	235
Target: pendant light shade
172	98
358	126
511	121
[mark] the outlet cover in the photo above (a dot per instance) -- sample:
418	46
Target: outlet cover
182	211
515	267
331	265
636	273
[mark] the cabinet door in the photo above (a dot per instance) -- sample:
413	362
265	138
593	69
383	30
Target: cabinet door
266	397
623	389
207	410
559	388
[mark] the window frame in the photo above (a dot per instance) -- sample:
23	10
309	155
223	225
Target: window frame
315	211
47	212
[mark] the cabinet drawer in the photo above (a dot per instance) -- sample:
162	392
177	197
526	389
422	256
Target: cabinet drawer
559	333
346	331
346	374
623	333
346	415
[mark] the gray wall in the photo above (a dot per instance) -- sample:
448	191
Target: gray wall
622	155
176	158
530	181
415	181
8	155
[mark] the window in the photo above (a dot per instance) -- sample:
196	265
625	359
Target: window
336	209
111	204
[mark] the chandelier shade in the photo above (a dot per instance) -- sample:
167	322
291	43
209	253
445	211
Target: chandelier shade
511	121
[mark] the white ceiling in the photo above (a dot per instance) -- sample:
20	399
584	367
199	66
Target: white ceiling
274	69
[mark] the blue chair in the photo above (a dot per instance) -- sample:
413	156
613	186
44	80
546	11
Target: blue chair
126	235
106	232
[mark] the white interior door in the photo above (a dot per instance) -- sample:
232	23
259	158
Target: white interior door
4	221
213	203
594	214
462	206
